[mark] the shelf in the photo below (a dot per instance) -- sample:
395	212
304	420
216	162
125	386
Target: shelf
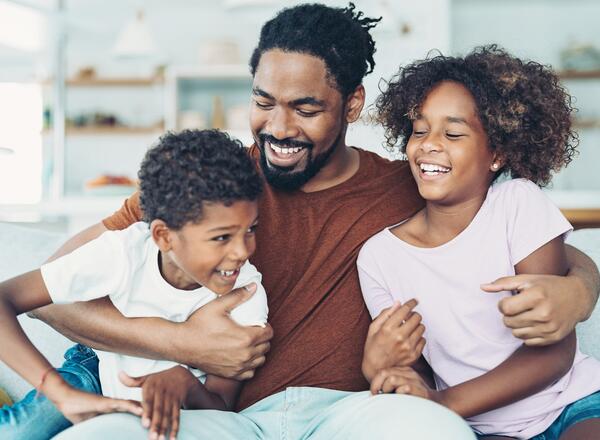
586	123
579	74
583	218
108	131
112	82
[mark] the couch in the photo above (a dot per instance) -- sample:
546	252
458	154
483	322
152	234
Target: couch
25	248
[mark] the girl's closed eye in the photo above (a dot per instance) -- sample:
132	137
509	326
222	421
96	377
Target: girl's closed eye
224	237
252	229
454	135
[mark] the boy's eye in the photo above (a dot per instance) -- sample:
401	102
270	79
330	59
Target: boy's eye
222	237
252	229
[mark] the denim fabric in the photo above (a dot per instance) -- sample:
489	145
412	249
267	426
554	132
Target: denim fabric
35	417
582	409
299	414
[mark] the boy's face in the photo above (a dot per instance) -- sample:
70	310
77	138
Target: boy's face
448	149
211	252
297	117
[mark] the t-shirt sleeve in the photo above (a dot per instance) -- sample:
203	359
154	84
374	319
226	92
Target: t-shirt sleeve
533	220
96	269
255	310
128	214
377	297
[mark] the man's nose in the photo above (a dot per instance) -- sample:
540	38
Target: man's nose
282	124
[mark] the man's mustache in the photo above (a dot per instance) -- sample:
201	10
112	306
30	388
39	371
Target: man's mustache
282	143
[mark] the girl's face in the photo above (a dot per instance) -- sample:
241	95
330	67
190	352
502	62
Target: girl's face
448	149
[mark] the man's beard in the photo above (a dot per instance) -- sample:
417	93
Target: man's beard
285	178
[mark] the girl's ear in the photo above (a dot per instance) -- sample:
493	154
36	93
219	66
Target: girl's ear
161	234
497	163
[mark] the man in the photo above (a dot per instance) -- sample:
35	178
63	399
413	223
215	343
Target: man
322	201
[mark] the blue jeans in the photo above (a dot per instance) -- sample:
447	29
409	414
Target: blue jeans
35	417
299	413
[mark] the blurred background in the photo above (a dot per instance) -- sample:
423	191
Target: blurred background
86	86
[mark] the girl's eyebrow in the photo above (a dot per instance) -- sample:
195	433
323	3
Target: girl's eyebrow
457	120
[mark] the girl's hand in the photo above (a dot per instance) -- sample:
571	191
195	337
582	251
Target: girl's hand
78	406
395	337
404	380
163	395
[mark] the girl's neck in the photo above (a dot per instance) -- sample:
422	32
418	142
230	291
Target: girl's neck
441	223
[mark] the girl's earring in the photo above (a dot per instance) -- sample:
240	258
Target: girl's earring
495	166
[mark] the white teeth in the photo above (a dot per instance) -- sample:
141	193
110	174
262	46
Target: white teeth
226	273
287	150
431	168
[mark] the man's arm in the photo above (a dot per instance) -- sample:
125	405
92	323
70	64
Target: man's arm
226	348
548	307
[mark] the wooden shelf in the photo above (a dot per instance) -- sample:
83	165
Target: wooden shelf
586	123
107	131
583	218
580	74
112	82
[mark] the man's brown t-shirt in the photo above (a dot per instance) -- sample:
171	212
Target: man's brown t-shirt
307	244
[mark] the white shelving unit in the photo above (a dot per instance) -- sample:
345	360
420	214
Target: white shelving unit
196	90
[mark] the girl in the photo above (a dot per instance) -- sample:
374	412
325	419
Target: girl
462	122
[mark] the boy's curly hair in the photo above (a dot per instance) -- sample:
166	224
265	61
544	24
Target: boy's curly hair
338	36
184	170
523	107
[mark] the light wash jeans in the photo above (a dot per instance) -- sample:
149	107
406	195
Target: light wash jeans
35	417
299	413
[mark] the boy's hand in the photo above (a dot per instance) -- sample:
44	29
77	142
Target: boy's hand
395	337
163	395
226	348
543	312
78	406
403	380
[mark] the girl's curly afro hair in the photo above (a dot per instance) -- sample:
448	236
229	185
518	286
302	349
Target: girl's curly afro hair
523	107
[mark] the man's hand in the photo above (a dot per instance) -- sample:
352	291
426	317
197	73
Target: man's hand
163	395
544	311
395	338
211	341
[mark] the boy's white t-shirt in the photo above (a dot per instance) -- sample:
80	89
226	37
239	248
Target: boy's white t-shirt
124	266
465	333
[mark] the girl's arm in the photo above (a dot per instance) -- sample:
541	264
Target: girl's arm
527	371
19	295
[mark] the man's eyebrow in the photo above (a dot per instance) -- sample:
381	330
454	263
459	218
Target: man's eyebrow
260	92
308	100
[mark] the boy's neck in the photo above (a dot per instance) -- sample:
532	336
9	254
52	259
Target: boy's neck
172	274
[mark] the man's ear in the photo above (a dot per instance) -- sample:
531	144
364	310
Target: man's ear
162	235
354	104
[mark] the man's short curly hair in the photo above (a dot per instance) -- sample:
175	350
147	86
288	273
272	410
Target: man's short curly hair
338	36
186	169
523	107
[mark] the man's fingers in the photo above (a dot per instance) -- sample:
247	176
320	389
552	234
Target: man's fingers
236	297
516	282
514	305
174	421
157	410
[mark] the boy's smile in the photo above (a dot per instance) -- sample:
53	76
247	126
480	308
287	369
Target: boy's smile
211	252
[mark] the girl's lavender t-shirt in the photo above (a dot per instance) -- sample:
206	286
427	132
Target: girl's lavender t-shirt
464	330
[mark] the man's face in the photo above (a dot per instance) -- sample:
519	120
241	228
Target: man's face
297	117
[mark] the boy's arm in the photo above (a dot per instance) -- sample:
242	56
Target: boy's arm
549	307
216	393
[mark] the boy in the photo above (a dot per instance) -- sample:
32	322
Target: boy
199	192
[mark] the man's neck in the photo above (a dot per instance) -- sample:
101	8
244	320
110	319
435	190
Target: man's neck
342	165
